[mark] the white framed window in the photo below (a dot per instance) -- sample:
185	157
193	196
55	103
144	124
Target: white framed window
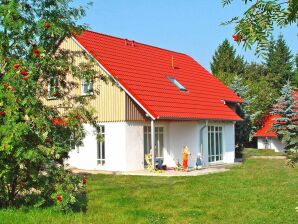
101	150
72	142
159	141
215	143
87	87
177	84
53	88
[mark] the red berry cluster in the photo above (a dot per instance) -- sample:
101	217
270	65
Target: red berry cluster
24	73
84	181
16	66
36	52
57	121
237	37
47	25
59	198
2	114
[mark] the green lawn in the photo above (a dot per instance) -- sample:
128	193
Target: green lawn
248	152
260	191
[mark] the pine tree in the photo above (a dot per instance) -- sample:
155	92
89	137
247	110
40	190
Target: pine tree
287	125
225	60
295	80
243	128
279	61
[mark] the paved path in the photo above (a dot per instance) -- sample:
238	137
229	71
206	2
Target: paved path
168	173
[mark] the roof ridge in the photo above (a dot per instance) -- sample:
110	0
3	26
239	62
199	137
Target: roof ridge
149	45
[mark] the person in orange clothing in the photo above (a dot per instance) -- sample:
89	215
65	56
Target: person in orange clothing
185	158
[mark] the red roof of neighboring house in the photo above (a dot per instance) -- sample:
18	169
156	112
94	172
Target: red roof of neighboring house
143	71
267	129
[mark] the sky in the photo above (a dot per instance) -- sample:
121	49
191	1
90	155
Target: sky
188	26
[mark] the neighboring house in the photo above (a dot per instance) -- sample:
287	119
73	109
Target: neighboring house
160	96
267	137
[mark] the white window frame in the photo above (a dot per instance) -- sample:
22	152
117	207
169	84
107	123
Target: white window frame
159	130
101	148
89	88
215	154
50	87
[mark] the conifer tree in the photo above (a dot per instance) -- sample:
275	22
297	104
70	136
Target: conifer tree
243	128
225	60
279	62
287	124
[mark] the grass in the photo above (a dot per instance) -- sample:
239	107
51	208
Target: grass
248	152
259	191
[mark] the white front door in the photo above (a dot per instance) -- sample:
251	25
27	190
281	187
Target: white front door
215	143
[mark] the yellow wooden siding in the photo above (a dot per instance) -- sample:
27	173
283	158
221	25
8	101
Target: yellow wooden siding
109	103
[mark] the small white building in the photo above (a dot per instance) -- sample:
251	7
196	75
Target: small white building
267	137
161	98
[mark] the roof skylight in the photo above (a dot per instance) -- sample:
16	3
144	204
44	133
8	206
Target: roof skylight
177	84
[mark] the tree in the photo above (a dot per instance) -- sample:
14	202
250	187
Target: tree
287	124
260	18
226	64
35	139
225	60
279	61
295	80
243	128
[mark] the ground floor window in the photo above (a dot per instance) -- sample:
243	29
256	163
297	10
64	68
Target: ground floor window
215	143
159	141
101	154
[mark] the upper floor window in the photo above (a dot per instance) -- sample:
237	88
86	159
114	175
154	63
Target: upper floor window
53	88
177	84
87	87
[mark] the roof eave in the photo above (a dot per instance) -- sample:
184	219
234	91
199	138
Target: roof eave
196	119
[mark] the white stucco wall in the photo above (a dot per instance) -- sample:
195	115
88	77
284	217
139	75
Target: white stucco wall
85	157
273	143
229	142
124	147
134	157
180	134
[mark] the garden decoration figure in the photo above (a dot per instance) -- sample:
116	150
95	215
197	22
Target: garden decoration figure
185	158
148	158
199	161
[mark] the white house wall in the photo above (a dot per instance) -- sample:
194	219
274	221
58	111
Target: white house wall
229	142
134	157
273	143
124	147
85	157
180	134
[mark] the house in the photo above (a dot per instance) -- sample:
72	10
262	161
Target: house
161	98
266	136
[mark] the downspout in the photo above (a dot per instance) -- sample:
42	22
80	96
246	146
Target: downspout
201	143
153	143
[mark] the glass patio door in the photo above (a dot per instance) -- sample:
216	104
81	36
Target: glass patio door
159	141
215	143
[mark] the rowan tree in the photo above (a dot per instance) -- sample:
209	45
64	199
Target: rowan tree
34	138
260	19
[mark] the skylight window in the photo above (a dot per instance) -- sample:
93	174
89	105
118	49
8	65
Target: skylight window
177	84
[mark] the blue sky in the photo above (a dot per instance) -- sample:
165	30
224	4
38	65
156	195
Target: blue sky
188	26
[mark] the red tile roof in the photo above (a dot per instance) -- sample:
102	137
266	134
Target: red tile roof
267	129
143	70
